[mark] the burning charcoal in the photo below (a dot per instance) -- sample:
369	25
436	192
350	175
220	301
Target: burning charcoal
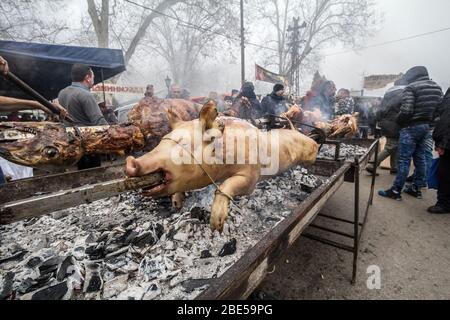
128	223
192	284
50	265
169	245
64	269
181	236
115	263
200	214
43	280
171	233
27	285
159	230
151	268
6	286
144	239
76	279
90	238
56	292
307	187
229	248
115	286
96	251
152	292
205	254
78	253
103	237
130	237
14	257
93	281
34	262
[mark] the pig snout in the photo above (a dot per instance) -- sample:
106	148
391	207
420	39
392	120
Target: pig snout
132	167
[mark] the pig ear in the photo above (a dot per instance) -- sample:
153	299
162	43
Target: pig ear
174	119
208	114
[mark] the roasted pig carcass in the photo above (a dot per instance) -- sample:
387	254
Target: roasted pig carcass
52	146
345	126
217	156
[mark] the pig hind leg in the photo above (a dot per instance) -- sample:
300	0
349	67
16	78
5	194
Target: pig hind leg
233	186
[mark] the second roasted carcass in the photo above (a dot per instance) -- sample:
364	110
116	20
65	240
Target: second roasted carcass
344	126
52	146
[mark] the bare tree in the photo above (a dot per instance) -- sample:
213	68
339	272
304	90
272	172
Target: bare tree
123	24
327	22
28	20
196	32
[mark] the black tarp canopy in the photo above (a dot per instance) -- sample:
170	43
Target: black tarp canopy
46	68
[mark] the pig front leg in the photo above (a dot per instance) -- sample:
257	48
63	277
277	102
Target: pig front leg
233	186
178	200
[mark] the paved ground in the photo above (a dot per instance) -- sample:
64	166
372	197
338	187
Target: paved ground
410	246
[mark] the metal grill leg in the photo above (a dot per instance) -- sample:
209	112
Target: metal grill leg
356	225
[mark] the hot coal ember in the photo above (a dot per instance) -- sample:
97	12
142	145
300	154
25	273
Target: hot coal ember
347	151
129	247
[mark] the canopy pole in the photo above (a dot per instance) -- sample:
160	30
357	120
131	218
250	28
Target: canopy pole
103	85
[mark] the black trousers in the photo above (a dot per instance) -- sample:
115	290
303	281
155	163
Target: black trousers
444	181
90	161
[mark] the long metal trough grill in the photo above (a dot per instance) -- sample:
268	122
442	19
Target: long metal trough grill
243	277
239	281
68	195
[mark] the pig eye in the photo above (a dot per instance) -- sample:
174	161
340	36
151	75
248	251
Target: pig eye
50	152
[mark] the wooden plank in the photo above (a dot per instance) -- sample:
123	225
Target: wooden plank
248	272
39	205
26	188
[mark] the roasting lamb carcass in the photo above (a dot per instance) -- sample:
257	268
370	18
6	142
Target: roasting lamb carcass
52	146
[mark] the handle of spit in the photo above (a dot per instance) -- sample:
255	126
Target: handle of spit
39	98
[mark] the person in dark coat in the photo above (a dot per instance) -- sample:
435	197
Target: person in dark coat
420	100
441	138
386	116
275	103
246	105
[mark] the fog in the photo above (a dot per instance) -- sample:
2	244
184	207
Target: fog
402	18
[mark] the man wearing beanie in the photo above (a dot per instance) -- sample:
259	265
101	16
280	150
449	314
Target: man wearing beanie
275	103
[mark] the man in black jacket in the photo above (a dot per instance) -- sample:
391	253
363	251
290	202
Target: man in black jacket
441	137
419	103
275	103
386	116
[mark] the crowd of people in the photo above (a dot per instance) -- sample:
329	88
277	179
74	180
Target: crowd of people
412	114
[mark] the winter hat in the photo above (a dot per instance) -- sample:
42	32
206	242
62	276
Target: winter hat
248	90
278	87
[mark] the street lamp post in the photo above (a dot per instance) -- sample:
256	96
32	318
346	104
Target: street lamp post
168	82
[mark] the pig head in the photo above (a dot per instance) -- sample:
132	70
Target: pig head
208	150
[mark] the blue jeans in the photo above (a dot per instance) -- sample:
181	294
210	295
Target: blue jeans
429	158
413	143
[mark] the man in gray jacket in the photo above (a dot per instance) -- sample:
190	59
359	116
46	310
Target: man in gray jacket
82	107
78	99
